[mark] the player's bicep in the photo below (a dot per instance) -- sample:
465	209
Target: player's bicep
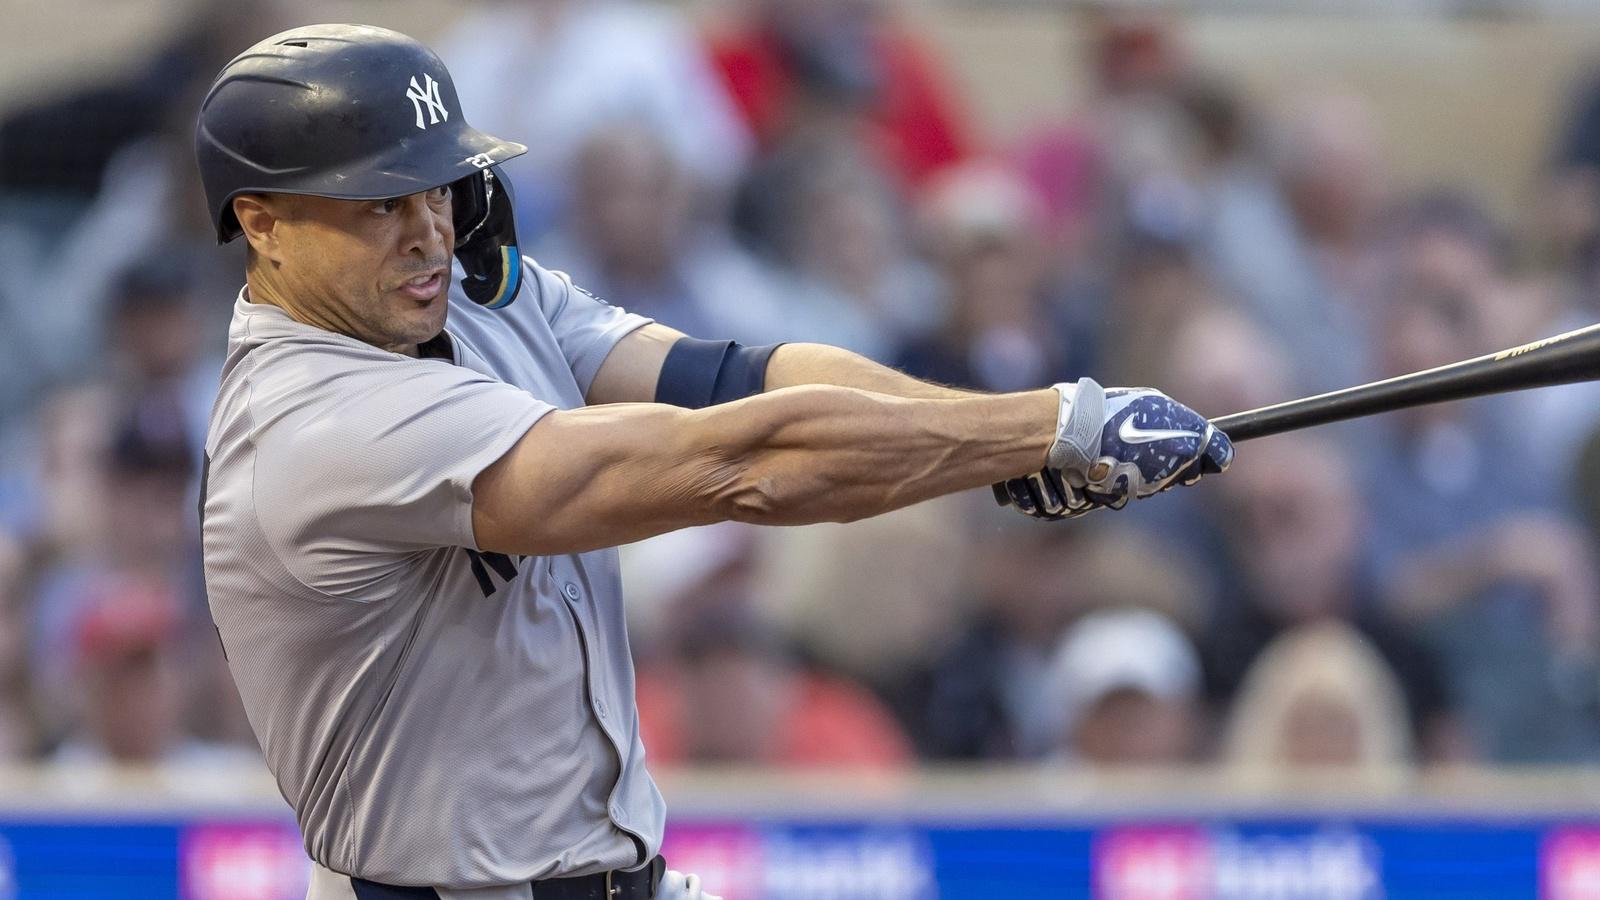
597	477
632	368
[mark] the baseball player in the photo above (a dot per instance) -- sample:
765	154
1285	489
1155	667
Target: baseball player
425	447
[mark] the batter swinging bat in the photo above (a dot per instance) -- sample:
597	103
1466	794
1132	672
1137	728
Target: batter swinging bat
1563	359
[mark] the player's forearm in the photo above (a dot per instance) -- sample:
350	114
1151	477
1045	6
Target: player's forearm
827	454
793	365
599	476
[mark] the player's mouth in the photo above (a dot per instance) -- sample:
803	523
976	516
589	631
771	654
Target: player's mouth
425	286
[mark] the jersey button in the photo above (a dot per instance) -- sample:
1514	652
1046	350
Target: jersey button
571	590
600	708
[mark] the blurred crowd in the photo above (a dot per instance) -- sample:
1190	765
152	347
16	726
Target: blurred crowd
1415	589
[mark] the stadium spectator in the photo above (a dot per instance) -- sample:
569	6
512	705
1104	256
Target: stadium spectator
55	511
984	697
799	67
1569	211
1225	362
875	599
824	215
1432	460
142	533
1290	238
736	696
1293	535
1124	156
131	224
124	645
157	342
1129	680
1154	286
1509	607
561	69
1319	698
990	695
672	577
636	239
1496	581
1445	245
983	226
133	667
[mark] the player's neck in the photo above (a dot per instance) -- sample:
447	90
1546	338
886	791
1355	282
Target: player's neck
261	288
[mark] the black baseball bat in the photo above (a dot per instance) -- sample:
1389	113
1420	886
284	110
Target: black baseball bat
1563	359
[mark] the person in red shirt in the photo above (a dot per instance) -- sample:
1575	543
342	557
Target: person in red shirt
797	64
734	695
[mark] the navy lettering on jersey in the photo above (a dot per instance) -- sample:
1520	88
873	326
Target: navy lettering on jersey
499	563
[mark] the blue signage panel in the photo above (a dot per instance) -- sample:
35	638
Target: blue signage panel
781	859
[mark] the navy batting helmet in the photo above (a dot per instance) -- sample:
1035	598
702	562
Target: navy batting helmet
356	112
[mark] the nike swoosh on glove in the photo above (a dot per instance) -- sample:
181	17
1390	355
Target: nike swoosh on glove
1149	443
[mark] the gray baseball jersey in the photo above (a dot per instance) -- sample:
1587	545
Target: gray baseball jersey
436	715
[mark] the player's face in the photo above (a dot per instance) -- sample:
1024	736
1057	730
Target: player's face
377	270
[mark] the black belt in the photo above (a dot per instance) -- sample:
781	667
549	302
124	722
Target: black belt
617	884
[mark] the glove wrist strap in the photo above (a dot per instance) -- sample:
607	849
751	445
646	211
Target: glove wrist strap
1078	425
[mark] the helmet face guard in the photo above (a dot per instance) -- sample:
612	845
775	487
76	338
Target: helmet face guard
354	112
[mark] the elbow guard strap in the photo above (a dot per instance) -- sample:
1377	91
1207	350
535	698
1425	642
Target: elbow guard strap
704	373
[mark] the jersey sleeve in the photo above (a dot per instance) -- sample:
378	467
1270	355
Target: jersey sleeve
585	326
356	471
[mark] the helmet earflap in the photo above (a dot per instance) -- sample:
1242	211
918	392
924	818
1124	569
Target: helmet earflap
486	238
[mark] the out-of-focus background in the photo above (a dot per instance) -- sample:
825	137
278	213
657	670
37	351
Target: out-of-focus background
1364	663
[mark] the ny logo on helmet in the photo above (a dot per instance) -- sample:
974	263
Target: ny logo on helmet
429	97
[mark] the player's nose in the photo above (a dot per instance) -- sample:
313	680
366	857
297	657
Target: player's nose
428	229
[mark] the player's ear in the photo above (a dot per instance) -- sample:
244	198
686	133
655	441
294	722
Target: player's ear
259	216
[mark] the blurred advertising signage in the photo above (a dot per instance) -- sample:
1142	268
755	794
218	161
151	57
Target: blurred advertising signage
8	872
788	862
1569	864
1194	863
64	857
242	861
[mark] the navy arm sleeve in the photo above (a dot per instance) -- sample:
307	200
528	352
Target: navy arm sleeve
700	373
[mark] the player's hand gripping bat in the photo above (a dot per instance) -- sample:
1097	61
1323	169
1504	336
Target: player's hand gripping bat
1563	359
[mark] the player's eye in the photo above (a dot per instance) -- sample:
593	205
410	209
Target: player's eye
439	193
386	207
